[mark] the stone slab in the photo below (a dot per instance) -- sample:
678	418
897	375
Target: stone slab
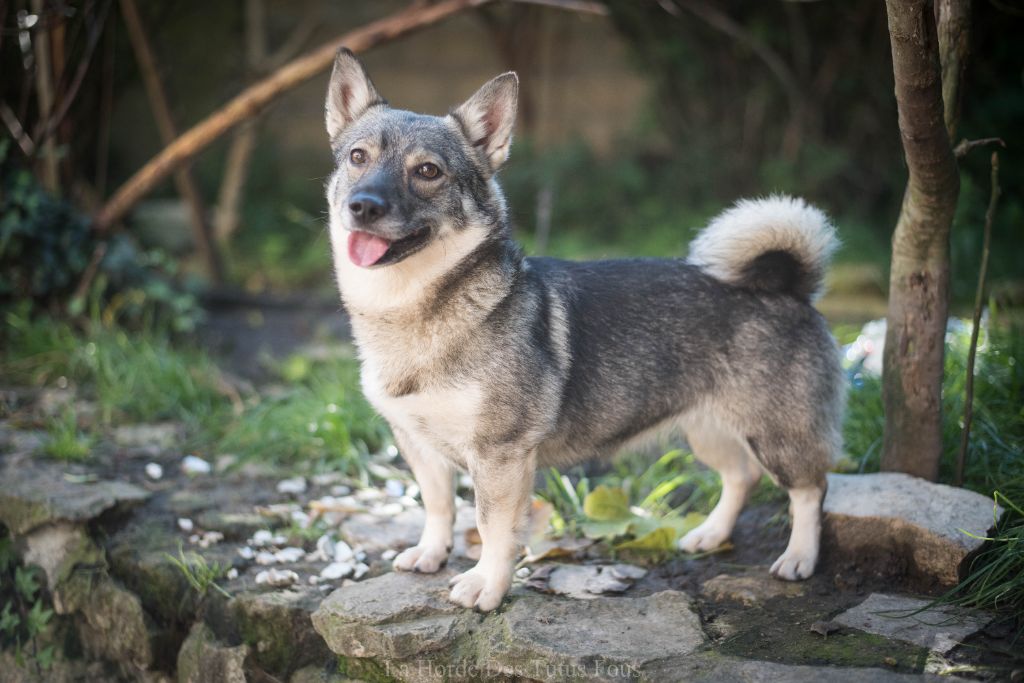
35	494
754	588
939	628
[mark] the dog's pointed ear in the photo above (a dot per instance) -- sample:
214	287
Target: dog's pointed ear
487	118
350	93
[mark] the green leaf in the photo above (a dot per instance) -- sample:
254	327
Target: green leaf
45	657
37	619
605	504
8	620
660	540
684	525
25	583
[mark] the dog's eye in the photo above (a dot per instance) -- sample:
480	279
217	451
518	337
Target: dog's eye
428	171
357	156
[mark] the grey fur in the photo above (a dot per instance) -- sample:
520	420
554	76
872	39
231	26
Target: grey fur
546	362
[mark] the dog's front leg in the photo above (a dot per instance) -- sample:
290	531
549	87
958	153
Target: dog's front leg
435	477
503	482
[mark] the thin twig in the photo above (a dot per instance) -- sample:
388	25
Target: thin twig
965	145
979	300
10	120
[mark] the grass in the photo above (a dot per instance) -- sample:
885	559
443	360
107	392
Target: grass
200	574
65	442
319	419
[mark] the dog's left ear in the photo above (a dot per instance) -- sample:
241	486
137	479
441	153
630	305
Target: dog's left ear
350	93
488	117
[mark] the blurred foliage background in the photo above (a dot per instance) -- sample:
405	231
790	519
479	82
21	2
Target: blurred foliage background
634	128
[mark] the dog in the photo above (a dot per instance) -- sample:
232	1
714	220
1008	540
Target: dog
486	361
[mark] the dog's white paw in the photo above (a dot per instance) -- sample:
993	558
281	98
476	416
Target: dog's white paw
707	536
425	559
479	589
794	566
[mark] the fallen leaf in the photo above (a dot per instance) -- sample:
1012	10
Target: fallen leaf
605	503
551	548
661	539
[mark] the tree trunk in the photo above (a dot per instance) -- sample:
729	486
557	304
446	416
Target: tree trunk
919	277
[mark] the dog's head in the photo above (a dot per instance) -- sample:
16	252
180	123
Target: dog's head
409	188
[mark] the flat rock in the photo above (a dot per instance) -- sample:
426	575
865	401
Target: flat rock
37	493
753	588
897	515
202	659
605	638
394	616
712	669
939	628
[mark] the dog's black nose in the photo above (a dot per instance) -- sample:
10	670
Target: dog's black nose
367	207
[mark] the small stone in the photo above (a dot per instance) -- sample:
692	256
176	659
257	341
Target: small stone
293	486
824	628
232	574
337	570
300	519
193	465
343	552
394	488
341	490
753	588
246	553
185	524
388	509
326	478
522	572
278	578
263	557
289	555
389	554
360	570
208	538
313	579
154	471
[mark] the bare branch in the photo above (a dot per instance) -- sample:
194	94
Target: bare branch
255	98
979	301
965	145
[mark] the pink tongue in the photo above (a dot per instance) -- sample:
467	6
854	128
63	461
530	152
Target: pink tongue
365	249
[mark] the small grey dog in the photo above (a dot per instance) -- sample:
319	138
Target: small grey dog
487	361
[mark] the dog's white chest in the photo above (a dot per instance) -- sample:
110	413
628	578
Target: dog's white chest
445	417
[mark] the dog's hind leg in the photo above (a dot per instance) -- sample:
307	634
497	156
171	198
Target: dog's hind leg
435	477
802	552
739	472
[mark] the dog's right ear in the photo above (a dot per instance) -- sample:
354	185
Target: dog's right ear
350	93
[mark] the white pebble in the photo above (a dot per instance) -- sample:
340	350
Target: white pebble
313	579
324	550
192	464
389	554
388	509
523	572
336	570
361	570
392	450
360	555
185	524
232	574
293	485
341	490
287	555
154	470
277	578
343	552
300	519
263	557
246	553
394	488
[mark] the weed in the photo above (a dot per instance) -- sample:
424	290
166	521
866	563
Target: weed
65	441
24	617
199	574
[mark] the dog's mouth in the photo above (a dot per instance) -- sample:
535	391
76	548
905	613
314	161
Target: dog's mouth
367	250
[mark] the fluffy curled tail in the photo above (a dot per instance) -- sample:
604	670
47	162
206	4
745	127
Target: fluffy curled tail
778	244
